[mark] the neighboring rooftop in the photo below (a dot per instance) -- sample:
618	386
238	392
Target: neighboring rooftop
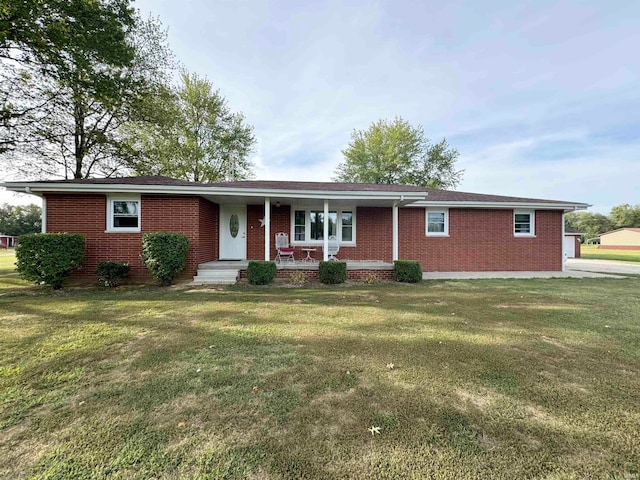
628	229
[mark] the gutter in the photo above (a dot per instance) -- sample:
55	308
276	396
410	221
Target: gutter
38	188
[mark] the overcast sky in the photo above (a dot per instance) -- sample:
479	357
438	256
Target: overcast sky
541	99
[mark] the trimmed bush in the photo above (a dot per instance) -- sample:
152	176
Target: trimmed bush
332	272
408	271
49	258
261	272
112	273
165	255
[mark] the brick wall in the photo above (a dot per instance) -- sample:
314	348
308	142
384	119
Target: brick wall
578	247
479	239
373	234
86	214
482	240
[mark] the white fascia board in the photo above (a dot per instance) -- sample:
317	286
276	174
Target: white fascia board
35	188
567	207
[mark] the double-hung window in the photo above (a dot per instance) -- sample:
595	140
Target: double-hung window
524	223
308	225
437	222
123	214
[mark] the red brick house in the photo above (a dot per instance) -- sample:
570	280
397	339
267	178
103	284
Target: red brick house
445	231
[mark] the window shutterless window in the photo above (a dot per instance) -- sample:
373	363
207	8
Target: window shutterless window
438	222
123	214
308	225
523	223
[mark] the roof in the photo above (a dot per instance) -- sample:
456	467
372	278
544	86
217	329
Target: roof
572	231
636	230
417	195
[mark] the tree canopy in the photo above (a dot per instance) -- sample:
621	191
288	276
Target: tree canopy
78	71
18	220
594	224
397	152
191	133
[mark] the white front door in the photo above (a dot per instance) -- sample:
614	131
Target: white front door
569	246
233	232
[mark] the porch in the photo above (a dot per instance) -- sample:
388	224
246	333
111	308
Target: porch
230	271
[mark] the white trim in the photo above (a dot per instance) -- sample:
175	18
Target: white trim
532	220
564	254
43	215
502	205
123	198
267	229
406	197
446	222
307	226
394	222
325	233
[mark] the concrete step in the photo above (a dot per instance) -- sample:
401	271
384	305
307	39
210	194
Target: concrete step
219	277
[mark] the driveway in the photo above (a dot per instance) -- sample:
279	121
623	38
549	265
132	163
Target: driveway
603	266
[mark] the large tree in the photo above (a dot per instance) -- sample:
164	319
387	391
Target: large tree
43	43
626	216
18	220
398	152
84	89
592	224
189	132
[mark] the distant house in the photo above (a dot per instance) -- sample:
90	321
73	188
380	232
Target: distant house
572	242
231	223
621	239
7	241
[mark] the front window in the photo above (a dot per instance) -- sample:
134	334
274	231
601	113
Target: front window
437	222
523	223
308	225
123	215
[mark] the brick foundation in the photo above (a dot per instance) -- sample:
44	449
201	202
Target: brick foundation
362	274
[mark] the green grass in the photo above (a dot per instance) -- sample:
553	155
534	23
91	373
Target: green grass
491	379
593	251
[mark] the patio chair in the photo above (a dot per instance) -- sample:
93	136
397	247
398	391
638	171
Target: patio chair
285	252
334	248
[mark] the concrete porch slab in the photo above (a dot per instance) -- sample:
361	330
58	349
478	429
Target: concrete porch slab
297	265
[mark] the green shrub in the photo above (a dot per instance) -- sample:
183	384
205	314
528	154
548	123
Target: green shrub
408	271
332	272
112	273
49	257
261	272
165	255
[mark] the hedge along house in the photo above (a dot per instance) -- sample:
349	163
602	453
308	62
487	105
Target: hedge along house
446	231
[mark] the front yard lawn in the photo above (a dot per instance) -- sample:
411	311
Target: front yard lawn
466	379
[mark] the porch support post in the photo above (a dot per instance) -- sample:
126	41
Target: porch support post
44	214
395	231
325	233
267	229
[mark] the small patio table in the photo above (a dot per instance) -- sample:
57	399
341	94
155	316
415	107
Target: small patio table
308	258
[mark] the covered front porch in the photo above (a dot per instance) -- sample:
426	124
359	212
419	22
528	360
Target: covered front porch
363	223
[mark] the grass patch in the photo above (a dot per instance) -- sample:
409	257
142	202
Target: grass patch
464	379
594	251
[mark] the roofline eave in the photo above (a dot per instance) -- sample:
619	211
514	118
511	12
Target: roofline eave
40	188
566	206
